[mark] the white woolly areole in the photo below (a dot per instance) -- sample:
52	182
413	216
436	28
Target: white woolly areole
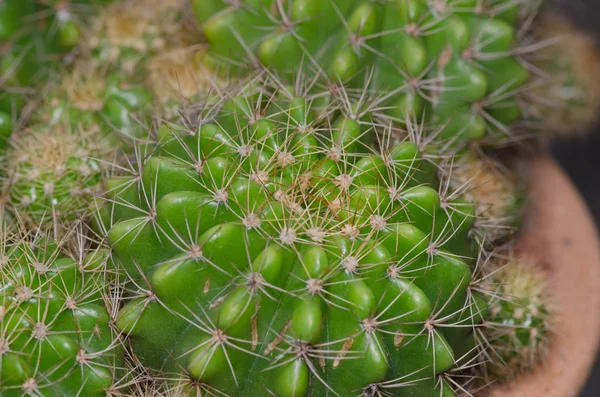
199	167
245	150
349	230
70	303
336	205
49	189
280	195
41	268
344	181
260	177
30	386
288	236
393	271
317	234
394	193
40	331
295	207
350	264
377	222
23	293
335	153
251	221
305	180
314	286
285	159
82	357
33	174
221	196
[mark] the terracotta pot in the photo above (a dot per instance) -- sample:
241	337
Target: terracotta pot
559	234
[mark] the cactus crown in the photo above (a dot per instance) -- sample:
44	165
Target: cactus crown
283	238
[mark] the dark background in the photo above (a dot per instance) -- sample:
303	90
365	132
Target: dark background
580	157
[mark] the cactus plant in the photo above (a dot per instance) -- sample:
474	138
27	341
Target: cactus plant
493	187
571	68
456	63
520	314
54	173
53	169
55	332
283	249
35	40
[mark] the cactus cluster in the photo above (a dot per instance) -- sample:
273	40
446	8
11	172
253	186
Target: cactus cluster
54	173
289	198
571	65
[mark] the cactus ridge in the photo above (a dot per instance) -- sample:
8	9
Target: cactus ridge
296	244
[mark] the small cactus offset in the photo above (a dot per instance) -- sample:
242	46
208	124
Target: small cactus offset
54	169
55	314
520	317
456	63
278	247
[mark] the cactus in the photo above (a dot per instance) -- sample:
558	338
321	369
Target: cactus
55	333
278	246
53	172
455	63
571	66
35	40
151	43
127	33
54	168
520	315
492	185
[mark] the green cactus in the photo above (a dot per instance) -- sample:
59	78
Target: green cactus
53	169
54	172
127	34
520	317
494	189
279	247
55	319
567	92
456	63
324	238
35	40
